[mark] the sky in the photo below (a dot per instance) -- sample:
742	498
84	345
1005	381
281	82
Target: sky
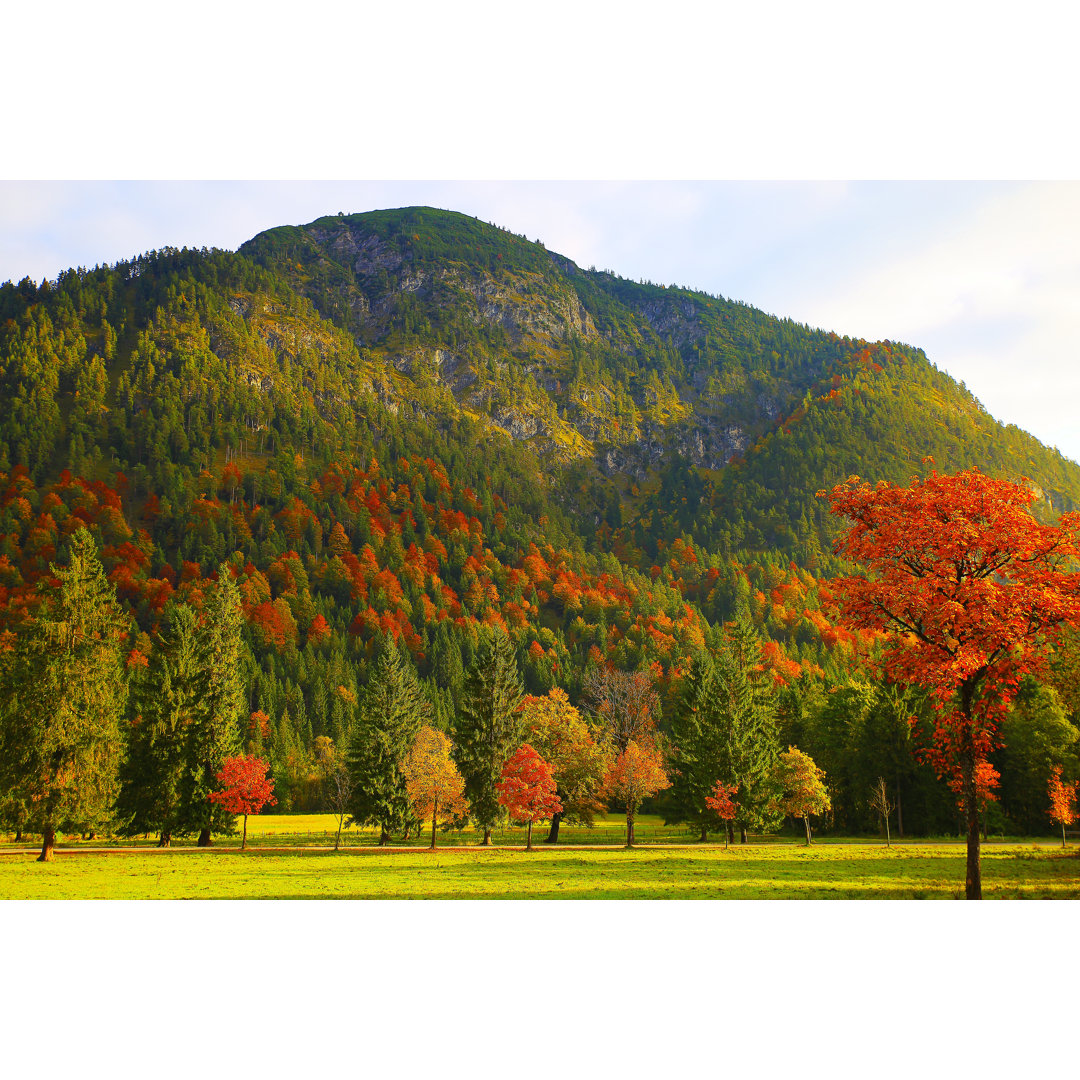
984	276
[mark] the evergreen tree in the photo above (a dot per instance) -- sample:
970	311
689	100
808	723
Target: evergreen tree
487	728
726	731
62	702
164	707
392	710
214	735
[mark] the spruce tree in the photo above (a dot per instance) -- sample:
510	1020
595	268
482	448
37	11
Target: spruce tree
726	730
164	708
62	701
214	735
391	711
487	728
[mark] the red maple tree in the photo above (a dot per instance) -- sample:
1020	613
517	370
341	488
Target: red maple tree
527	789
722	800
245	787
1062	801
970	591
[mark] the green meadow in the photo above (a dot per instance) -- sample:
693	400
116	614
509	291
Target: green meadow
783	870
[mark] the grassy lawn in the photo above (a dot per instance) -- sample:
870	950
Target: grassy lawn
755	872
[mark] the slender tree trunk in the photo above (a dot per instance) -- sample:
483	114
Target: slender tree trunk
48	840
434	817
337	841
806	822
704	835
888	844
973	884
243	843
730	834
528	838
384	836
18	834
1063	834
553	833
742	835
629	829
487	837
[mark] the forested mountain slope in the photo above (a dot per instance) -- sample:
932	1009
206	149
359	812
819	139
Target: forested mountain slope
412	423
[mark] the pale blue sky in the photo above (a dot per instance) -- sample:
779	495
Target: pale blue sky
984	276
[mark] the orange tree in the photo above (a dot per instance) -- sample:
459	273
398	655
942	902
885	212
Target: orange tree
432	780
635	775
722	801
527	789
245	788
970	590
1062	801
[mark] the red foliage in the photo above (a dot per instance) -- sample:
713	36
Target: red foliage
527	787
245	787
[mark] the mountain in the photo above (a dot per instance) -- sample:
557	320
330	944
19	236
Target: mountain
409	422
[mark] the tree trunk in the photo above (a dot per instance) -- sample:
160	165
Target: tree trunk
899	811
384	836
243	843
165	839
1063	834
204	838
48	840
629	829
18	834
434	818
888	843
337	841
553	833
806	822
487	837
973	884
528	838
704	838
742	835
730	833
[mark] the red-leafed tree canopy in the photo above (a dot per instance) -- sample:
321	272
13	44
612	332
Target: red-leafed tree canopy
971	590
245	787
527	789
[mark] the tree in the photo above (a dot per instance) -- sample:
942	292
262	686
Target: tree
433	782
392	709
487	728
722	803
971	590
802	785
244	787
1062	801
726	730
527	789
880	804
337	782
62	702
164	706
220	690
624	703
635	775
578	762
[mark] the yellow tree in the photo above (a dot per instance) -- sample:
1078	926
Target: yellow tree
803	786
578	762
432	780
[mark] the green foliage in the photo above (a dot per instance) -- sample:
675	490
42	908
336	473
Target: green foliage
62	700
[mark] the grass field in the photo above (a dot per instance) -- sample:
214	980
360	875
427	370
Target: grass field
755	872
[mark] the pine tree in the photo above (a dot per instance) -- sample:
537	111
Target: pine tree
487	729
62	703
215	734
392	710
164	707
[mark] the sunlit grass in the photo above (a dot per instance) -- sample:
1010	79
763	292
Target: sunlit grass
755	872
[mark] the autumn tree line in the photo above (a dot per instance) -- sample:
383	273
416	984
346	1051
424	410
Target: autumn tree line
95	737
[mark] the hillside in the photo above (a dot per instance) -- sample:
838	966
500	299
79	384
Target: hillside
412	423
